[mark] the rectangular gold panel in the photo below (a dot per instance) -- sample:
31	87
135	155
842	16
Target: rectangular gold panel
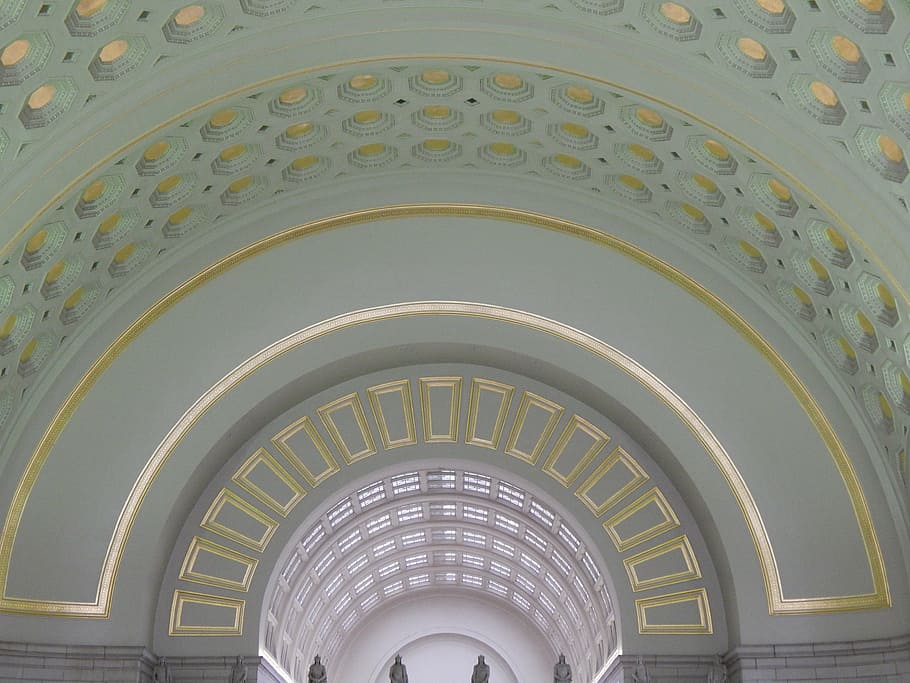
532	403
201	548
578	434
650	504
495	391
282	440
430	390
266	480
385	392
348	407
683	613
663	565
229	504
200	614
620	474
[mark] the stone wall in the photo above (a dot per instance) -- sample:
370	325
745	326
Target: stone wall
864	661
29	662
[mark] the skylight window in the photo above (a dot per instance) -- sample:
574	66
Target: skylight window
357	563
503	548
312	539
474	538
405	483
530	563
408	513
416	561
370	495
383	548
569	538
506	523
413	538
477	483
441	480
511	495
340	512
377	524
389	569
475	513
323	564
349	540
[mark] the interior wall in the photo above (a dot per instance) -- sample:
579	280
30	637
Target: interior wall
440	637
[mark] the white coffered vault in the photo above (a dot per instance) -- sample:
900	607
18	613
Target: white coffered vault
511	327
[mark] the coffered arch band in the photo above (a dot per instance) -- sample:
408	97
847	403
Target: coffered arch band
878	405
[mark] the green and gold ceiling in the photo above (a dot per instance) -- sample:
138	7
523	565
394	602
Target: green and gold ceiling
838	69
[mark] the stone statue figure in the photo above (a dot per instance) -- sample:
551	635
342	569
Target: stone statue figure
238	671
317	672
562	672
718	671
162	673
640	674
481	671
398	673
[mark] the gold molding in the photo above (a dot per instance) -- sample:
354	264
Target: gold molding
505	392
327	415
453	384
576	424
699	596
227	497
531	400
681	544
188	571
653	497
778	603
263	457
403	389
305	424
618	456
182	598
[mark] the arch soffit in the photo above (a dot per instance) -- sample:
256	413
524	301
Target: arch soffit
878	403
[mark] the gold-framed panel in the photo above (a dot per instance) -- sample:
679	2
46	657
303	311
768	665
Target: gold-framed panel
531	400
401	387
327	414
699	599
619	456
183	598
189	572
599	440
679	545
505	392
228	498
427	384
261	457
653	497
778	602
306	425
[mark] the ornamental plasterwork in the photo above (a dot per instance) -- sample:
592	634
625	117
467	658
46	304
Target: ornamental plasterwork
834	67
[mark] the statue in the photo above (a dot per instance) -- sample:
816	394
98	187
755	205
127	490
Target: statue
717	672
640	674
481	672
162	674
398	673
238	671
562	672
317	672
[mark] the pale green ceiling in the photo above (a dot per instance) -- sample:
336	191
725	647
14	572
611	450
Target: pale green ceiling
112	170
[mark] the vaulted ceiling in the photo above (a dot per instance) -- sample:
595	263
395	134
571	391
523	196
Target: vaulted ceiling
684	224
